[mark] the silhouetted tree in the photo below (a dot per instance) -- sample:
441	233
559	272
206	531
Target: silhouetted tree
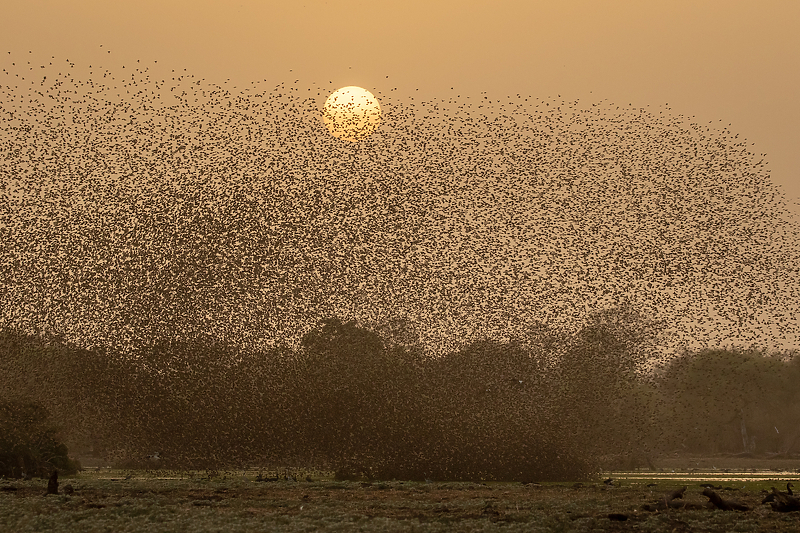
352	396
728	400
606	402
29	443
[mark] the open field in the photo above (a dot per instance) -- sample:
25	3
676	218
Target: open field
104	500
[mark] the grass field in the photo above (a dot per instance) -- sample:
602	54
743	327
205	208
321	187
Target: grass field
103	500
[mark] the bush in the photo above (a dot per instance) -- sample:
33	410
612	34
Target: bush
481	413
29	443
731	401
347	399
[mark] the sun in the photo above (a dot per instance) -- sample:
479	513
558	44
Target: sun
351	113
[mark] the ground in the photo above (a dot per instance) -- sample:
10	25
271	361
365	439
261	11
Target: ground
103	500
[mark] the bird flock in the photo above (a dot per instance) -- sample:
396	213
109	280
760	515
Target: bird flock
140	204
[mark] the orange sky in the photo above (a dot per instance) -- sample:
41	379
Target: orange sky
731	61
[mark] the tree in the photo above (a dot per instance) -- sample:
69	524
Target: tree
351	399
604	394
28	441
731	400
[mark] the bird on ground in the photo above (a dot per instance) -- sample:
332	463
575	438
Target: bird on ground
52	484
725	505
771	497
669	501
784	502
675	494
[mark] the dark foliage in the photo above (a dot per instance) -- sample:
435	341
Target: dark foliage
742	401
552	406
29	443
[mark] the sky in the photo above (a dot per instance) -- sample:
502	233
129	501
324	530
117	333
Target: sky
722	62
669	116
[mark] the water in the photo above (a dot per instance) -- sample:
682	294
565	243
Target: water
712	476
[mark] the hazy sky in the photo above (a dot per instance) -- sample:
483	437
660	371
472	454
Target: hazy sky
731	62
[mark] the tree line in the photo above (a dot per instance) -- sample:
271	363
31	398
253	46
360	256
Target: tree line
365	403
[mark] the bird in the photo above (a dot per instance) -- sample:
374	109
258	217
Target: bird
668	501
771	496
52	484
477	218
720	503
675	494
783	502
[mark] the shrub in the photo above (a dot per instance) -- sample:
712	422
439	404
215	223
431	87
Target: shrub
481	413
731	400
29	442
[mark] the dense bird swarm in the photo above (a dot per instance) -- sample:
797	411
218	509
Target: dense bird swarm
138	208
281	293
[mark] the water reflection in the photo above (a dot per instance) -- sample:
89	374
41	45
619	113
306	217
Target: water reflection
766	475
